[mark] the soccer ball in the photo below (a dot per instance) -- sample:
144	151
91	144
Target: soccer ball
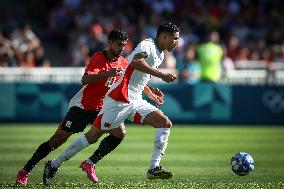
242	164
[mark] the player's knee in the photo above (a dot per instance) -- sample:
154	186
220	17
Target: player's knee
55	142
165	122
58	139
93	135
122	134
119	134
91	139
169	123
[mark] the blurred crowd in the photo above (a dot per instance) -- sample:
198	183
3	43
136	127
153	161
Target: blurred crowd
245	31
23	49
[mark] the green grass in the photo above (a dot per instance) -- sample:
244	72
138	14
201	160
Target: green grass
198	156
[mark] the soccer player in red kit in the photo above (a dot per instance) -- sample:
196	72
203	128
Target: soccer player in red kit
104	68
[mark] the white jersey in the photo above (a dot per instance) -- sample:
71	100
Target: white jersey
132	83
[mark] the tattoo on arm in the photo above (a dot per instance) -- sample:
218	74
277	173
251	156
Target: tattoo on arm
140	55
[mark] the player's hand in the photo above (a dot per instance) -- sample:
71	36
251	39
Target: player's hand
168	77
115	72
157	92
157	99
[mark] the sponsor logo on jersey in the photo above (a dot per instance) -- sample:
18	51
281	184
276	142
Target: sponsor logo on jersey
68	124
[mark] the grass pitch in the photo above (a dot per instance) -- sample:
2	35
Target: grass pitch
198	156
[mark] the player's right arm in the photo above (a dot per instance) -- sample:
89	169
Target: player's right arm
91	78
139	63
94	70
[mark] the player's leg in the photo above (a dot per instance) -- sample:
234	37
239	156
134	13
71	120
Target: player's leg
149	114
111	119
76	121
56	140
59	137
83	141
77	145
158	120
108	144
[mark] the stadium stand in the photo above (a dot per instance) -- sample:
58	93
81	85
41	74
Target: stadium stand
66	33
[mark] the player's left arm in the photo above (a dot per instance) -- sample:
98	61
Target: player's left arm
154	94
156	91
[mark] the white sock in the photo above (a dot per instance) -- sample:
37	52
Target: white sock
78	145
160	145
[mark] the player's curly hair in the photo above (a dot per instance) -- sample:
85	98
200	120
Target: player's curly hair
117	34
168	28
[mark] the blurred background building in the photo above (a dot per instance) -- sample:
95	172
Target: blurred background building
224	42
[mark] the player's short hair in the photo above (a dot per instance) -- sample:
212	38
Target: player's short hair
117	34
168	28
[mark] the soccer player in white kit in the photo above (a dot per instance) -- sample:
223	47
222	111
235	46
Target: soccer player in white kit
124	100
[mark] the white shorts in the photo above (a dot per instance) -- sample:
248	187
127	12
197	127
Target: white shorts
114	113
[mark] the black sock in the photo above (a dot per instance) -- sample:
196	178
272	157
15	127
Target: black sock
107	145
42	151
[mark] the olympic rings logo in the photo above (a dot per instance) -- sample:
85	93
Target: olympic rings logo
274	100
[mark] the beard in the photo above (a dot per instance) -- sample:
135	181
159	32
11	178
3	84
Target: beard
116	54
171	48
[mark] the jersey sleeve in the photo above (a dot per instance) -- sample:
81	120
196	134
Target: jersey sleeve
93	67
143	49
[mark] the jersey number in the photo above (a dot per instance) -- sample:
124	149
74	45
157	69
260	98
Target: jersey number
110	81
